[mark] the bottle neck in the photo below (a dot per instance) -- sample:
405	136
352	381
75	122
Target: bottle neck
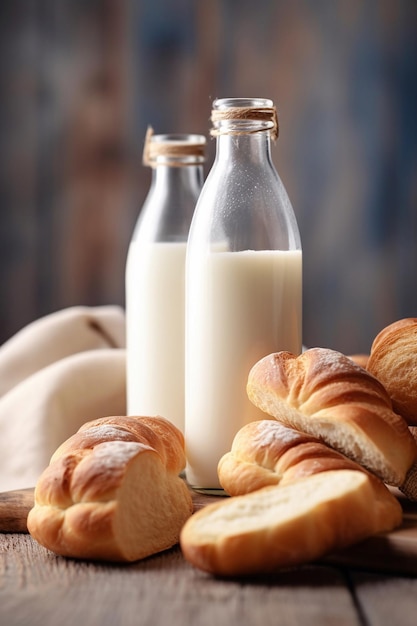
183	177
252	147
169	206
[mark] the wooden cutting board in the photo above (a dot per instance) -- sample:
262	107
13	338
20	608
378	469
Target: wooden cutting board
394	552
14	509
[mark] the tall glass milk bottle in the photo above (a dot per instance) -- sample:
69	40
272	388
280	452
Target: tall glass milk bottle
243	282
155	277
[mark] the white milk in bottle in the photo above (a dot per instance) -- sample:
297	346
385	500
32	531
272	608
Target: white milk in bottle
243	283
155	323
155	278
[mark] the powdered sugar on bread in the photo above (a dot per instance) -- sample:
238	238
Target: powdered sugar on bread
325	394
118	500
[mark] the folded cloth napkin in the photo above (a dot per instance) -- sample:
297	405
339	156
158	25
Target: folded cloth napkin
58	335
57	373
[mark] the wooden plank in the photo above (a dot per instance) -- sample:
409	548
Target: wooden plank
14	509
384	600
39	588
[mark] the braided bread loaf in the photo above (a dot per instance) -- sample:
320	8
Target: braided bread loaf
112	491
325	394
266	453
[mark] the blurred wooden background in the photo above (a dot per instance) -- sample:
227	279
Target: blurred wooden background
81	80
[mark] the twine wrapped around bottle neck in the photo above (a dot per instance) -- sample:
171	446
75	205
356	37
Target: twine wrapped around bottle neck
268	115
173	150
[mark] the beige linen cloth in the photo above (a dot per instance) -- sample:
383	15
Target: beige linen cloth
57	373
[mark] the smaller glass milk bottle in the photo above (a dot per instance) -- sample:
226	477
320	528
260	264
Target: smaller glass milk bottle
243	282
155	276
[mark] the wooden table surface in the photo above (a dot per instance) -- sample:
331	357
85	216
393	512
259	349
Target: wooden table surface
38	588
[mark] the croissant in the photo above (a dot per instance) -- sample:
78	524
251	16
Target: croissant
266	453
393	360
325	394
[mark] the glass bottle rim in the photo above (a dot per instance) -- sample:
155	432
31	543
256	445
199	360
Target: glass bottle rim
240	116
179	138
249	103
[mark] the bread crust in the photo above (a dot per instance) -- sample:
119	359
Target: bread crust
112	491
267	453
393	360
325	394
277	527
157	432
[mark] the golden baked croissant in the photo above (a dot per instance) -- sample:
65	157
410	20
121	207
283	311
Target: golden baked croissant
296	496
112	491
393	360
266	452
325	394
295	499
